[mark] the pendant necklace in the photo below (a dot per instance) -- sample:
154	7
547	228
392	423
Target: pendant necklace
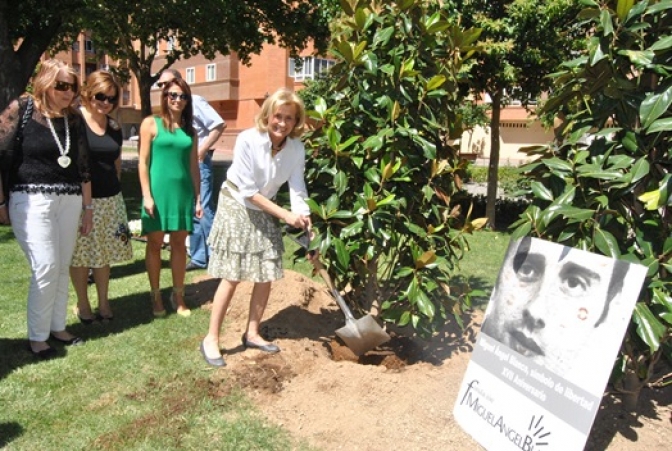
275	150
64	160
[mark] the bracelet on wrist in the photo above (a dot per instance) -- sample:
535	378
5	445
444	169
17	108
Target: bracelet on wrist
88	207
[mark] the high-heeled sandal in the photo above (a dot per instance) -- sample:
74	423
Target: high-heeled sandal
85	321
154	294
182	311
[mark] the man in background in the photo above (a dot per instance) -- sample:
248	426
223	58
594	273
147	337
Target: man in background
209	126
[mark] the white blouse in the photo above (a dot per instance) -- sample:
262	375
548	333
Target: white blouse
254	170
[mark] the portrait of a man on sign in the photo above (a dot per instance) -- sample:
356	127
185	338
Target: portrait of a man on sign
553	304
549	339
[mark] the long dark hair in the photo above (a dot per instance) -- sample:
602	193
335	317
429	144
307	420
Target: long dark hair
187	112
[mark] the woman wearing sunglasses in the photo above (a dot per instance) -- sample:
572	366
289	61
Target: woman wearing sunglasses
109	241
50	190
170	182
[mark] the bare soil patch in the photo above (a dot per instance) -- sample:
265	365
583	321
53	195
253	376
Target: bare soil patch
399	396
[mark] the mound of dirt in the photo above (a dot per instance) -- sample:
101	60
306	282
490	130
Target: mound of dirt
399	396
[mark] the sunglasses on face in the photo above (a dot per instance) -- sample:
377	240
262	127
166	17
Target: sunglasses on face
103	98
177	95
65	86
161	84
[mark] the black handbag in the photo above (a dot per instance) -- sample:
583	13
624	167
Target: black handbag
10	159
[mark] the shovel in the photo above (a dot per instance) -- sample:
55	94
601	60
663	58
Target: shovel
360	335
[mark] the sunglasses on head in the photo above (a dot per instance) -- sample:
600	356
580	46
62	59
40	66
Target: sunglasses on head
103	98
65	86
177	95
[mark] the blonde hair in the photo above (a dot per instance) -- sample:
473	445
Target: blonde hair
45	79
97	82
282	96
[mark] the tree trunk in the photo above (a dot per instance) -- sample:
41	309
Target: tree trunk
632	387
145	82
372	301
18	65
493	166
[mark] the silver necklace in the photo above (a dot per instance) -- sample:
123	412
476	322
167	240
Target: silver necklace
64	160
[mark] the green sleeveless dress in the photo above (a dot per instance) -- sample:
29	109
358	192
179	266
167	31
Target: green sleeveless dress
170	182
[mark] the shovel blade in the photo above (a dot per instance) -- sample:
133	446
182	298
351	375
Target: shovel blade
362	335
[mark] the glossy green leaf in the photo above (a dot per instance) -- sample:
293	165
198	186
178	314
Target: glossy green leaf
606	243
556	164
435	82
623	8
361	18
660	125
425	306
649	328
541	191
605	21
342	255
664	43
580	214
353	229
340	182
654	105
640	170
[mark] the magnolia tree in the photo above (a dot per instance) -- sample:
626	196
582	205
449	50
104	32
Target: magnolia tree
383	162
606	187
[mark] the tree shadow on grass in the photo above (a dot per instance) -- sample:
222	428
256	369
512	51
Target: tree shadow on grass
480	289
130	311
6	233
8	432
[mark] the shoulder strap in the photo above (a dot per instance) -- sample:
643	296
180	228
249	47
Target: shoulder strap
27	113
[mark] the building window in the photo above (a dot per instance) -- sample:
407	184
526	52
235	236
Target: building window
308	67
210	72
170	44
88	46
75	46
191	75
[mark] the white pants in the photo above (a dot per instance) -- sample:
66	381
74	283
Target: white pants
45	225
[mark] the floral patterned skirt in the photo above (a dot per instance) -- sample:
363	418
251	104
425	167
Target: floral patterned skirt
244	244
110	240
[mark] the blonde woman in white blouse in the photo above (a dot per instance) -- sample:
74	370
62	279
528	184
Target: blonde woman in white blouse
246	239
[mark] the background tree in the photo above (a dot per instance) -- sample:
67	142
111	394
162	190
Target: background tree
131	32
34	26
383	166
612	193
523	41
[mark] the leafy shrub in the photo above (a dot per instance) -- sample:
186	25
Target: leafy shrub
382	169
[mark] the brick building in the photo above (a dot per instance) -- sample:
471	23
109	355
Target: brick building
237	91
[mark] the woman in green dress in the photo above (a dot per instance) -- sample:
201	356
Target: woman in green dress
170	182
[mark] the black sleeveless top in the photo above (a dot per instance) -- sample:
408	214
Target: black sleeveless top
104	151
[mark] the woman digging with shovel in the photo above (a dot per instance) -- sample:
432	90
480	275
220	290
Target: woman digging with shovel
246	239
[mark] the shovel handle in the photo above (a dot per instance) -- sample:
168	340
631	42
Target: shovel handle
334	292
319	267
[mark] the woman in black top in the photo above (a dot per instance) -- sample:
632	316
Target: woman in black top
109	242
49	186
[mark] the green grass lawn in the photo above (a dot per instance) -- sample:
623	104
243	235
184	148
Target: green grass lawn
139	383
